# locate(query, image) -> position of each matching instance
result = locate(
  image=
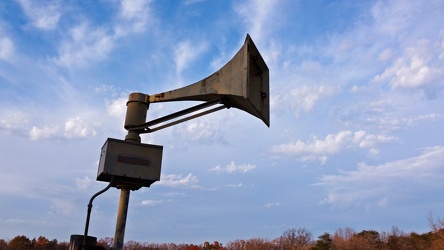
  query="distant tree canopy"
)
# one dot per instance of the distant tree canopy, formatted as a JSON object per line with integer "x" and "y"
{"x": 20, "y": 243}
{"x": 291, "y": 239}
{"x": 24, "y": 243}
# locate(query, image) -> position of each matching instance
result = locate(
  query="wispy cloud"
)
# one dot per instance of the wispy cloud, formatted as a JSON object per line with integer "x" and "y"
{"x": 186, "y": 52}
{"x": 363, "y": 78}
{"x": 7, "y": 48}
{"x": 393, "y": 17}
{"x": 7, "y": 45}
{"x": 63, "y": 205}
{"x": 13, "y": 120}
{"x": 73, "y": 127}
{"x": 83, "y": 183}
{"x": 197, "y": 130}
{"x": 45, "y": 132}
{"x": 76, "y": 127}
{"x": 117, "y": 107}
{"x": 153, "y": 203}
{"x": 258, "y": 16}
{"x": 272, "y": 204}
{"x": 400, "y": 46}
{"x": 381, "y": 184}
{"x": 200, "y": 130}
{"x": 233, "y": 168}
{"x": 321, "y": 149}
{"x": 88, "y": 43}
{"x": 134, "y": 17}
{"x": 177, "y": 180}
{"x": 84, "y": 45}
{"x": 420, "y": 67}
{"x": 43, "y": 15}
{"x": 305, "y": 97}
{"x": 213, "y": 128}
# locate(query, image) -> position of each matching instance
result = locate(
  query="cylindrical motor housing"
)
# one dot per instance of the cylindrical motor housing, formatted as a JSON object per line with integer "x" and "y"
{"x": 136, "y": 109}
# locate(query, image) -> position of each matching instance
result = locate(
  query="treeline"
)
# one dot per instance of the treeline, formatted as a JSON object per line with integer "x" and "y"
{"x": 291, "y": 239}
{"x": 22, "y": 242}
{"x": 301, "y": 239}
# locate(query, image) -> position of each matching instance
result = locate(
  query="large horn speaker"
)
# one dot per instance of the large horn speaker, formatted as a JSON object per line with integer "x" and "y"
{"x": 242, "y": 83}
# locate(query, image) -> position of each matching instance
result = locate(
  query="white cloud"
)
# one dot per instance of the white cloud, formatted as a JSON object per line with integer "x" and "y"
{"x": 43, "y": 15}
{"x": 388, "y": 113}
{"x": 208, "y": 129}
{"x": 85, "y": 45}
{"x": 186, "y": 52}
{"x": 258, "y": 16}
{"x": 234, "y": 185}
{"x": 300, "y": 86}
{"x": 270, "y": 205}
{"x": 7, "y": 48}
{"x": 311, "y": 82}
{"x": 413, "y": 42}
{"x": 108, "y": 90}
{"x": 233, "y": 168}
{"x": 393, "y": 17}
{"x": 73, "y": 127}
{"x": 45, "y": 132}
{"x": 305, "y": 97}
{"x": 134, "y": 16}
{"x": 417, "y": 68}
{"x": 64, "y": 206}
{"x": 76, "y": 127}
{"x": 381, "y": 184}
{"x": 133, "y": 9}
{"x": 174, "y": 180}
{"x": 399, "y": 45}
{"x": 200, "y": 129}
{"x": 321, "y": 149}
{"x": 386, "y": 54}
{"x": 13, "y": 119}
{"x": 83, "y": 183}
{"x": 117, "y": 107}
{"x": 411, "y": 121}
{"x": 152, "y": 203}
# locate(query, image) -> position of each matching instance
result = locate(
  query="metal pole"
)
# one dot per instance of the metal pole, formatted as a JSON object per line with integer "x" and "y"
{"x": 121, "y": 218}
{"x": 136, "y": 111}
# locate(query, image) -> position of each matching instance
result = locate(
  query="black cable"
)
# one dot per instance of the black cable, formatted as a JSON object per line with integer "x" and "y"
{"x": 88, "y": 214}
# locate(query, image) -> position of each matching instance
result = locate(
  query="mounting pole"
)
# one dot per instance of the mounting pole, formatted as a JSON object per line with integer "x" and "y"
{"x": 121, "y": 218}
{"x": 137, "y": 107}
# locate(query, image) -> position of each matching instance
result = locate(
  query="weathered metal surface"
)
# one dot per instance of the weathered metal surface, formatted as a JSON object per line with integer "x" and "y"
{"x": 136, "y": 109}
{"x": 76, "y": 242}
{"x": 131, "y": 164}
{"x": 243, "y": 83}
{"x": 121, "y": 218}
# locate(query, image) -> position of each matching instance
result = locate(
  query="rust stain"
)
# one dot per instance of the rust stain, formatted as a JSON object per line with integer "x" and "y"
{"x": 160, "y": 96}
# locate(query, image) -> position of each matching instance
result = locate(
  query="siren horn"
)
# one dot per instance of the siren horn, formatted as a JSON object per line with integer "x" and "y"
{"x": 242, "y": 83}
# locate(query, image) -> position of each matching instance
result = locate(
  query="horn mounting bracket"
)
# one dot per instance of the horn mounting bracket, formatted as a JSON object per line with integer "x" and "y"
{"x": 172, "y": 119}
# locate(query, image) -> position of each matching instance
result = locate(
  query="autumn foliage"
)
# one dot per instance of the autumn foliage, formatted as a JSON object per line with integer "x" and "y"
{"x": 291, "y": 239}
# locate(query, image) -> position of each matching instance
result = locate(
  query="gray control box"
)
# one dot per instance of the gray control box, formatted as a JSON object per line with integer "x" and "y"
{"x": 129, "y": 164}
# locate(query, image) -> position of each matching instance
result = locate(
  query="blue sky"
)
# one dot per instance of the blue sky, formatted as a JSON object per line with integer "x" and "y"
{"x": 356, "y": 98}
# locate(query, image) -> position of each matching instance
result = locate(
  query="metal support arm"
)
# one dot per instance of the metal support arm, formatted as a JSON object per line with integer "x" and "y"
{"x": 144, "y": 128}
